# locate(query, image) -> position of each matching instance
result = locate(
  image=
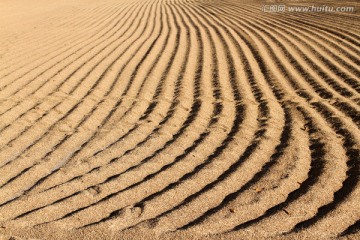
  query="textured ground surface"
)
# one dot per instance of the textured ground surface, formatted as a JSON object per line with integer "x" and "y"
{"x": 178, "y": 118}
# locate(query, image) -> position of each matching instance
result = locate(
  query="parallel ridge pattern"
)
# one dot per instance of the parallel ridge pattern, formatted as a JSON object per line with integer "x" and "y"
{"x": 183, "y": 115}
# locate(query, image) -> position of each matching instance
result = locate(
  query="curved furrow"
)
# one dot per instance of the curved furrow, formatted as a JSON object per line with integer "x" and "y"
{"x": 180, "y": 156}
{"x": 266, "y": 184}
{"x": 313, "y": 28}
{"x": 136, "y": 81}
{"x": 310, "y": 16}
{"x": 51, "y": 113}
{"x": 228, "y": 174}
{"x": 178, "y": 119}
{"x": 214, "y": 155}
{"x": 350, "y": 80}
{"x": 56, "y": 72}
{"x": 131, "y": 98}
{"x": 320, "y": 159}
{"x": 343, "y": 21}
{"x": 336, "y": 31}
{"x": 347, "y": 59}
{"x": 60, "y": 97}
{"x": 38, "y": 104}
{"x": 152, "y": 110}
{"x": 148, "y": 76}
{"x": 101, "y": 23}
{"x": 319, "y": 72}
{"x": 75, "y": 174}
{"x": 171, "y": 112}
{"x": 329, "y": 64}
{"x": 347, "y": 196}
{"x": 271, "y": 215}
{"x": 62, "y": 138}
{"x": 342, "y": 106}
{"x": 349, "y": 110}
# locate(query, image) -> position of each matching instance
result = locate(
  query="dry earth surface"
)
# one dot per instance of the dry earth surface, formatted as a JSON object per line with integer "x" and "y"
{"x": 178, "y": 119}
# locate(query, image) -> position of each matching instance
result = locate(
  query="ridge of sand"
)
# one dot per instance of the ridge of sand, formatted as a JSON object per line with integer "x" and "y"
{"x": 178, "y": 119}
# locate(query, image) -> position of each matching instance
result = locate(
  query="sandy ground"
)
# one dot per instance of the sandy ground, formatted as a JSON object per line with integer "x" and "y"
{"x": 178, "y": 119}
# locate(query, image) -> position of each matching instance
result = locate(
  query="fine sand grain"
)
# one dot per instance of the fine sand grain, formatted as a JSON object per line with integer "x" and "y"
{"x": 178, "y": 119}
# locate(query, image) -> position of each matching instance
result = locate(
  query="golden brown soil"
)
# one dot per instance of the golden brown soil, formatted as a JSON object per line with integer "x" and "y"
{"x": 178, "y": 119}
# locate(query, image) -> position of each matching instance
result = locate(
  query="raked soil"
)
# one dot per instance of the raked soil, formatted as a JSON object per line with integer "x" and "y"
{"x": 178, "y": 119}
